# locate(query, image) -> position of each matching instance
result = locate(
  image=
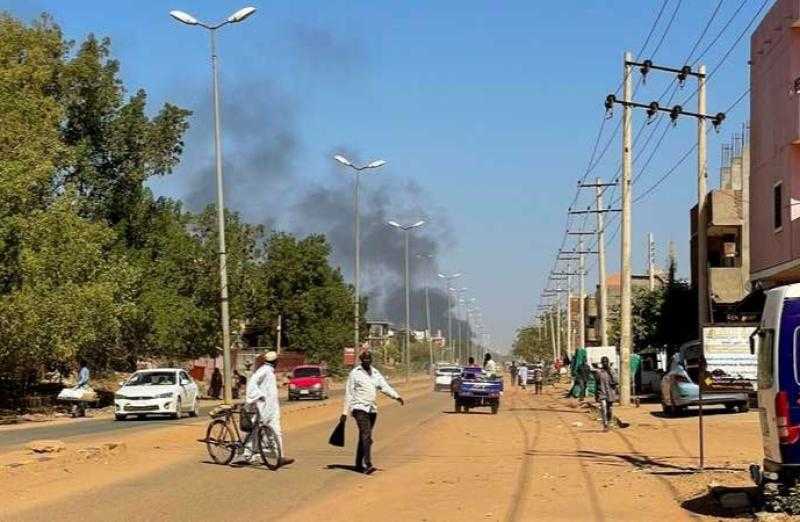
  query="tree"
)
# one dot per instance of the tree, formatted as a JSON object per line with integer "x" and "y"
{"x": 311, "y": 296}
{"x": 76, "y": 292}
{"x": 533, "y": 344}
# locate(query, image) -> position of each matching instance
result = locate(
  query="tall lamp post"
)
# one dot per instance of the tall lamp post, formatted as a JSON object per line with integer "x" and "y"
{"x": 406, "y": 229}
{"x": 429, "y": 257}
{"x": 357, "y": 239}
{"x": 236, "y": 17}
{"x": 447, "y": 278}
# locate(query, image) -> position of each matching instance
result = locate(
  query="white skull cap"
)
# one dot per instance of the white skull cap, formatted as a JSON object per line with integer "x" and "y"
{"x": 271, "y": 356}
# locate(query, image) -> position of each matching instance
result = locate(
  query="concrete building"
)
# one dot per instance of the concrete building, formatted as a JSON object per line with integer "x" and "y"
{"x": 613, "y": 292}
{"x": 774, "y": 141}
{"x": 727, "y": 234}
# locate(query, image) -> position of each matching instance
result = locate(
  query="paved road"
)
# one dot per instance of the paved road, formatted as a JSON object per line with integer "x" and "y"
{"x": 194, "y": 489}
{"x": 9, "y": 439}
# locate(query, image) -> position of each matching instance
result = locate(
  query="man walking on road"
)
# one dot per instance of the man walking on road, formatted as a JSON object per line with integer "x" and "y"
{"x": 262, "y": 395}
{"x": 522, "y": 372}
{"x": 360, "y": 394}
{"x": 538, "y": 379}
{"x": 606, "y": 390}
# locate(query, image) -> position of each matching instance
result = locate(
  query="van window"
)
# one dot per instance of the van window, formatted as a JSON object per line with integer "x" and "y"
{"x": 766, "y": 349}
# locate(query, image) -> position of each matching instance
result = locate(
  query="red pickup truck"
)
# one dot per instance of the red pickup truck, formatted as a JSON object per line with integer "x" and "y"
{"x": 308, "y": 381}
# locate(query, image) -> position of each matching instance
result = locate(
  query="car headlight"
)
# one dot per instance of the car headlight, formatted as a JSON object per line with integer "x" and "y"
{"x": 317, "y": 386}
{"x": 167, "y": 395}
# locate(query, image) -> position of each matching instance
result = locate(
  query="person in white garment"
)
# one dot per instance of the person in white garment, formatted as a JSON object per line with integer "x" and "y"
{"x": 522, "y": 373}
{"x": 489, "y": 366}
{"x": 360, "y": 394}
{"x": 262, "y": 396}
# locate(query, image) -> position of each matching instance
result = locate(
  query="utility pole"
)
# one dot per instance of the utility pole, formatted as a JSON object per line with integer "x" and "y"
{"x": 553, "y": 334}
{"x": 702, "y": 175}
{"x": 651, "y": 252}
{"x": 278, "y": 339}
{"x": 581, "y": 297}
{"x": 600, "y": 211}
{"x": 674, "y": 113}
{"x": 569, "y": 310}
{"x": 625, "y": 254}
{"x": 601, "y": 262}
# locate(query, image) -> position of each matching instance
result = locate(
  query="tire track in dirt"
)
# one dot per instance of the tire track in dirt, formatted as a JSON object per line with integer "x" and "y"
{"x": 516, "y": 508}
{"x": 591, "y": 488}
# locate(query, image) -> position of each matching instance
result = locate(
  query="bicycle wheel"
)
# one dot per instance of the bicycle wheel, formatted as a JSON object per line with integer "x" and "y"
{"x": 269, "y": 446}
{"x": 220, "y": 442}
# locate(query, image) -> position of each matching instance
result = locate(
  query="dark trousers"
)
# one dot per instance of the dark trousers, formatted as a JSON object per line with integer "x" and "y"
{"x": 538, "y": 387}
{"x": 365, "y": 422}
{"x": 605, "y": 411}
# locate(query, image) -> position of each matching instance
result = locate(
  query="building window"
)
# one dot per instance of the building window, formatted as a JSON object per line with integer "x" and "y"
{"x": 777, "y": 209}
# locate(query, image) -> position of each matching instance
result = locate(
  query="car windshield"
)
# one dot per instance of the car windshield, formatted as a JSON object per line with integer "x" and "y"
{"x": 151, "y": 379}
{"x": 306, "y": 372}
{"x": 449, "y": 370}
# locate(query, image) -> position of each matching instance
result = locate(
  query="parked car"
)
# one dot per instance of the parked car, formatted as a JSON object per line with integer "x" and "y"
{"x": 444, "y": 377}
{"x": 160, "y": 391}
{"x": 678, "y": 391}
{"x": 308, "y": 382}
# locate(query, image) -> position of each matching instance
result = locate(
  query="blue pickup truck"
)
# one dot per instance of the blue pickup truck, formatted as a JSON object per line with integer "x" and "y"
{"x": 472, "y": 389}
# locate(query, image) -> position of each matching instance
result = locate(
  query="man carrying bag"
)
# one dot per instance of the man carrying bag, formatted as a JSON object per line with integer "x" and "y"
{"x": 360, "y": 396}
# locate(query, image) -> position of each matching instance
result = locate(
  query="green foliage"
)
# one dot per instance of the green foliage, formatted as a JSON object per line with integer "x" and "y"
{"x": 91, "y": 264}
{"x": 533, "y": 343}
{"x": 664, "y": 317}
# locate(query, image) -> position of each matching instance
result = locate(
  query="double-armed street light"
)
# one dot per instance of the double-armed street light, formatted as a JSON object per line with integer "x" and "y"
{"x": 429, "y": 257}
{"x": 406, "y": 229}
{"x": 447, "y": 278}
{"x": 236, "y": 17}
{"x": 358, "y": 169}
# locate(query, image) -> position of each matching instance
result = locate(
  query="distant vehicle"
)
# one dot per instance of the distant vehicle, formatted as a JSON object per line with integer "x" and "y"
{"x": 444, "y": 377}
{"x": 161, "y": 391}
{"x": 679, "y": 391}
{"x": 308, "y": 382}
{"x": 472, "y": 389}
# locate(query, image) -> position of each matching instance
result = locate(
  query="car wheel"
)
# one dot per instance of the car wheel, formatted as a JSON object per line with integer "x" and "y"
{"x": 744, "y": 407}
{"x": 195, "y": 410}
{"x": 120, "y": 416}
{"x": 458, "y": 406}
{"x": 178, "y": 406}
{"x": 667, "y": 409}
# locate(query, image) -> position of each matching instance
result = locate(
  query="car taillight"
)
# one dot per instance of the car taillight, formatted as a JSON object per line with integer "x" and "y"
{"x": 787, "y": 434}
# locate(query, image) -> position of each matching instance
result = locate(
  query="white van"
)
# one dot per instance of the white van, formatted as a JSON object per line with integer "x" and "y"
{"x": 778, "y": 342}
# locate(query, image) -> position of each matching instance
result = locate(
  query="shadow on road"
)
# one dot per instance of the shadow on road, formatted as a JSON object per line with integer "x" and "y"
{"x": 710, "y": 505}
{"x": 344, "y": 467}
{"x": 467, "y": 413}
{"x": 692, "y": 413}
{"x": 643, "y": 462}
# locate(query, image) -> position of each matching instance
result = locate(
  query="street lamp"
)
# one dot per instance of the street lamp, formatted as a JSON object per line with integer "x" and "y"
{"x": 406, "y": 229}
{"x": 357, "y": 233}
{"x": 429, "y": 257}
{"x": 236, "y": 17}
{"x": 447, "y": 278}
{"x": 459, "y": 292}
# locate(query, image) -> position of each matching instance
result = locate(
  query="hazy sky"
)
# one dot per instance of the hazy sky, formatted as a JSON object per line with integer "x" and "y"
{"x": 487, "y": 113}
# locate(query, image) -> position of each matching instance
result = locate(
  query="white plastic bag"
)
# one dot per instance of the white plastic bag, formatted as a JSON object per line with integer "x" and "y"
{"x": 77, "y": 394}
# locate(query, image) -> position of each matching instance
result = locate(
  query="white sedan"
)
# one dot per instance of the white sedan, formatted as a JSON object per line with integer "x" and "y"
{"x": 444, "y": 377}
{"x": 161, "y": 391}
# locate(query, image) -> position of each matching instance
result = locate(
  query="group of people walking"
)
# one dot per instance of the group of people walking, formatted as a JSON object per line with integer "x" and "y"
{"x": 523, "y": 374}
{"x": 360, "y": 401}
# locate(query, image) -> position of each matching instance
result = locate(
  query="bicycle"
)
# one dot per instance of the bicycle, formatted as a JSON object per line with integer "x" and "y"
{"x": 224, "y": 437}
